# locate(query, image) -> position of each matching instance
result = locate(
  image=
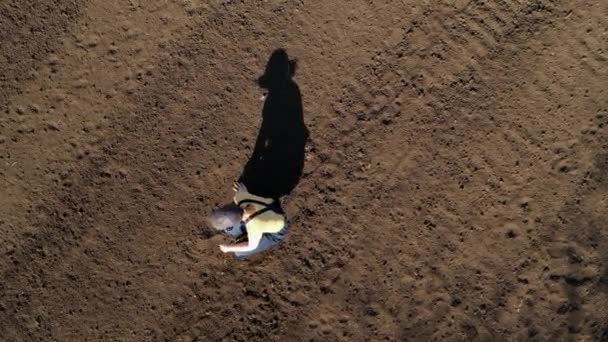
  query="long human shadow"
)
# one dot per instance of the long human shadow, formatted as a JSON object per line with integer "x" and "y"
{"x": 276, "y": 163}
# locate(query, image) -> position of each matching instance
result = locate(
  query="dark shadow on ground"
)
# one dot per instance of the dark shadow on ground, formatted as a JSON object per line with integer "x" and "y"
{"x": 275, "y": 166}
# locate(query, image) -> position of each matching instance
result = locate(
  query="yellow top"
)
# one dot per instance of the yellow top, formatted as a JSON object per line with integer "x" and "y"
{"x": 267, "y": 222}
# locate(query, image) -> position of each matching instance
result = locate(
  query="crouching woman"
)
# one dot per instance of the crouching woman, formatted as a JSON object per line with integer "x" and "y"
{"x": 262, "y": 224}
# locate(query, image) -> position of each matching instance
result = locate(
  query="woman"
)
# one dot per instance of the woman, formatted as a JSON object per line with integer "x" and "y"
{"x": 262, "y": 222}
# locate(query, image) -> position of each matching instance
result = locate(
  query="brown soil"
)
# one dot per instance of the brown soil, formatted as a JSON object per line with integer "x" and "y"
{"x": 455, "y": 184}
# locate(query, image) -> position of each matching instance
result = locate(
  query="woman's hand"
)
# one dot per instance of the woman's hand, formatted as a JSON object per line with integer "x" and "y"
{"x": 224, "y": 248}
{"x": 239, "y": 187}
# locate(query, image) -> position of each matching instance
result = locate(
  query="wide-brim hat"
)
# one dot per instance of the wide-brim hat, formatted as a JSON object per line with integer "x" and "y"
{"x": 225, "y": 216}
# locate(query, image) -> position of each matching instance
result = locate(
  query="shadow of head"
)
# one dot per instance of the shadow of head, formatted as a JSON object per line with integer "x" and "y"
{"x": 279, "y": 71}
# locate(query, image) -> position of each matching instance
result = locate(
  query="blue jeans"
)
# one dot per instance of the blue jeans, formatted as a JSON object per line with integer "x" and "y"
{"x": 268, "y": 239}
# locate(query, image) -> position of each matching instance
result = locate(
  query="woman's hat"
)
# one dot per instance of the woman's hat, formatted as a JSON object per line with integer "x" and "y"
{"x": 225, "y": 216}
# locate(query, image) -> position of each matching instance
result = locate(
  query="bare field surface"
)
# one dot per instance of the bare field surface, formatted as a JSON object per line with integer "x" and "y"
{"x": 455, "y": 185}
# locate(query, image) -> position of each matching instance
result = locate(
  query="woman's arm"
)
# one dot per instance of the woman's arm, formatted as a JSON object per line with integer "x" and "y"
{"x": 253, "y": 243}
{"x": 241, "y": 193}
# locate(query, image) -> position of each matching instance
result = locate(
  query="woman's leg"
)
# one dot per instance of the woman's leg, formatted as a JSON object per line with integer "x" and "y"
{"x": 268, "y": 240}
